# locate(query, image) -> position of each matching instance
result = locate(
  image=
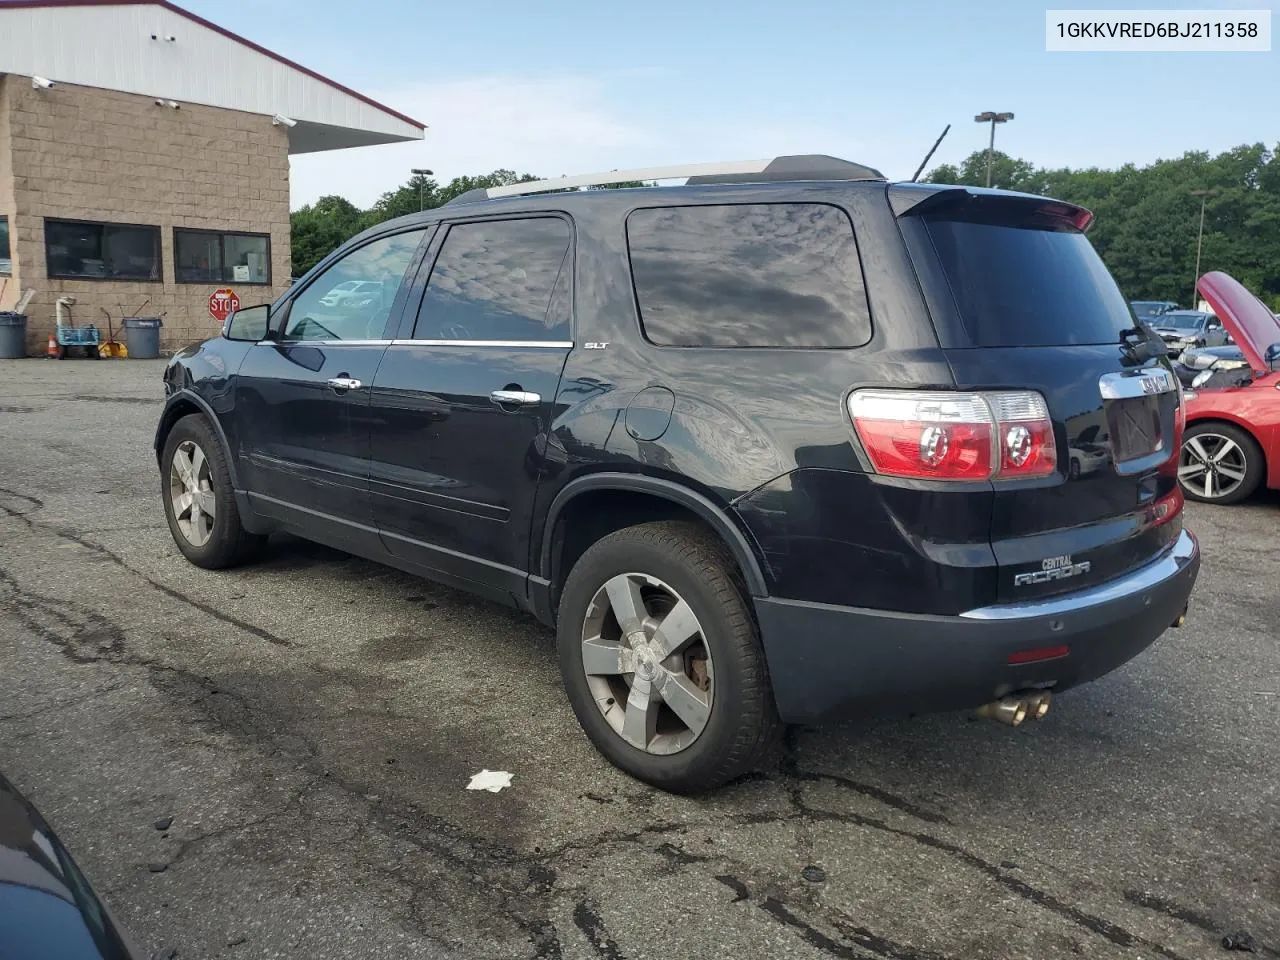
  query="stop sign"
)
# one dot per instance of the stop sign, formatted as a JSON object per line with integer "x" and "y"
{"x": 222, "y": 303}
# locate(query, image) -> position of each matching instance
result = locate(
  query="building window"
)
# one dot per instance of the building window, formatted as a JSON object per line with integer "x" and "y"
{"x": 6, "y": 262}
{"x": 75, "y": 250}
{"x": 206, "y": 256}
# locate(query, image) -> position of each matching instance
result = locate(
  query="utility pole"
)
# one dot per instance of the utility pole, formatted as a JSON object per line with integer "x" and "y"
{"x": 992, "y": 118}
{"x": 422, "y": 174}
{"x": 1204, "y": 195}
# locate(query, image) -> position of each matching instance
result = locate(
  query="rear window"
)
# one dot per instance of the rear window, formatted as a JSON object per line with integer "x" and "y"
{"x": 748, "y": 275}
{"x": 1027, "y": 287}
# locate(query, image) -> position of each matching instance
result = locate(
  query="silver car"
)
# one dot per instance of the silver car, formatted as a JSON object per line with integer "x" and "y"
{"x": 1181, "y": 329}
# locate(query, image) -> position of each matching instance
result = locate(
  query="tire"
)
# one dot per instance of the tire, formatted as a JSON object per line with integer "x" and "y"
{"x": 1240, "y": 466}
{"x": 1073, "y": 469}
{"x": 222, "y": 542}
{"x": 668, "y": 562}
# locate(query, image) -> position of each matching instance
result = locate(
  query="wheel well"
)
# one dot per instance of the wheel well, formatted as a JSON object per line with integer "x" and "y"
{"x": 172, "y": 414}
{"x": 594, "y": 514}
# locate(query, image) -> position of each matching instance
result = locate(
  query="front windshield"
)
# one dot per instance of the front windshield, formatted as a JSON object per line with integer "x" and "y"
{"x": 1145, "y": 310}
{"x": 1183, "y": 321}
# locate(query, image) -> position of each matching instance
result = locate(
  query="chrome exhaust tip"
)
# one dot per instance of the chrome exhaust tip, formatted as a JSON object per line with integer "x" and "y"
{"x": 1038, "y": 705}
{"x": 1008, "y": 710}
{"x": 1180, "y": 619}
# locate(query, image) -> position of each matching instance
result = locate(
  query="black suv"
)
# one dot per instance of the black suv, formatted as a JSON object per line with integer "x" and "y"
{"x": 786, "y": 441}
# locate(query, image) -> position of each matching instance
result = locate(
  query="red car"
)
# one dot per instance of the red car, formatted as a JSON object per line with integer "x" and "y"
{"x": 1231, "y": 445}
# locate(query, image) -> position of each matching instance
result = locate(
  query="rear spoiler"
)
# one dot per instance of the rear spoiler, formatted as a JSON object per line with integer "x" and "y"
{"x": 987, "y": 206}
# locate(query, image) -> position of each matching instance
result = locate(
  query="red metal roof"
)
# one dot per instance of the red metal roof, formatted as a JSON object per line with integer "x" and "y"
{"x": 10, "y": 4}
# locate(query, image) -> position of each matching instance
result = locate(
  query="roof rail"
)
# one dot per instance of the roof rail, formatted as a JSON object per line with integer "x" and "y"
{"x": 798, "y": 167}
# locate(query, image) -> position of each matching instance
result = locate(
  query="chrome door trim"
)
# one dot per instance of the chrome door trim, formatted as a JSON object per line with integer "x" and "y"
{"x": 551, "y": 344}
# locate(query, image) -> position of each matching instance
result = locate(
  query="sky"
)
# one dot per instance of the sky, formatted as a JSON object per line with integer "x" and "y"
{"x": 561, "y": 87}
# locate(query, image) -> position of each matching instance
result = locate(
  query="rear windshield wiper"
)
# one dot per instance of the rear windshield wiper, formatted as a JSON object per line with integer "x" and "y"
{"x": 1139, "y": 345}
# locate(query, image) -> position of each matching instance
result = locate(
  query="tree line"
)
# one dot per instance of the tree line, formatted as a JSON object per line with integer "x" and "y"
{"x": 319, "y": 228}
{"x": 1147, "y": 218}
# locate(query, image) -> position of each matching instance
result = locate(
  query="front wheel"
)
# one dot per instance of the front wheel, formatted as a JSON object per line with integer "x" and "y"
{"x": 1219, "y": 463}
{"x": 661, "y": 658}
{"x": 199, "y": 502}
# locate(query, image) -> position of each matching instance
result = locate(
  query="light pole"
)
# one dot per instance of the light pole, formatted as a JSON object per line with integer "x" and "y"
{"x": 422, "y": 174}
{"x": 993, "y": 119}
{"x": 1204, "y": 195}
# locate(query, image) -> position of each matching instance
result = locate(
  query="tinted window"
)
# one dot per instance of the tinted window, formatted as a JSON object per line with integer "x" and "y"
{"x": 759, "y": 275}
{"x": 1021, "y": 286}
{"x": 494, "y": 281}
{"x": 203, "y": 256}
{"x": 101, "y": 251}
{"x": 6, "y": 264}
{"x": 333, "y": 307}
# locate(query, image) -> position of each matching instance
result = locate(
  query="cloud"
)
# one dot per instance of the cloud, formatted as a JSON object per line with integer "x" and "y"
{"x": 543, "y": 125}
{"x": 569, "y": 124}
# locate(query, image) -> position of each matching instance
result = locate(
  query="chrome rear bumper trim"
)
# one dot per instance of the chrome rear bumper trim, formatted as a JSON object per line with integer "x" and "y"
{"x": 1168, "y": 565}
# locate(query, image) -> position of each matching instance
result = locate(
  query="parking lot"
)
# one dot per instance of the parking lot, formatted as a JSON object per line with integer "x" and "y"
{"x": 310, "y": 723}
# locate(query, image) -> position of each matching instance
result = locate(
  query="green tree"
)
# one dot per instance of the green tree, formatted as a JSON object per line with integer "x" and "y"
{"x": 321, "y": 227}
{"x": 1006, "y": 172}
{"x": 318, "y": 228}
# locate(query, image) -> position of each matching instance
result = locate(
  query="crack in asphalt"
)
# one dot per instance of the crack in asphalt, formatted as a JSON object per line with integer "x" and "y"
{"x": 586, "y": 917}
{"x": 504, "y": 876}
{"x": 108, "y": 554}
{"x": 1175, "y": 911}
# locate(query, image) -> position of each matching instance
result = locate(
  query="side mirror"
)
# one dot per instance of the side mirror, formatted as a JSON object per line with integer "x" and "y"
{"x": 249, "y": 324}
{"x": 1272, "y": 357}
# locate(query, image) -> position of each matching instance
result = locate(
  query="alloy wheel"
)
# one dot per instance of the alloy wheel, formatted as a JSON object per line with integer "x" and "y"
{"x": 1212, "y": 465}
{"x": 647, "y": 663}
{"x": 191, "y": 493}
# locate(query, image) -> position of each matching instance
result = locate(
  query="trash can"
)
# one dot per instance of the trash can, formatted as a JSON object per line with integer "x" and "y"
{"x": 13, "y": 335}
{"x": 142, "y": 337}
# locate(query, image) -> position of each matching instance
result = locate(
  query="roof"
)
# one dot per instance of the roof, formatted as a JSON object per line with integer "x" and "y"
{"x": 158, "y": 49}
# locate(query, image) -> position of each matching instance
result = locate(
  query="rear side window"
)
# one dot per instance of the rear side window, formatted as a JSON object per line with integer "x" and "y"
{"x": 748, "y": 275}
{"x": 1020, "y": 286}
{"x": 495, "y": 280}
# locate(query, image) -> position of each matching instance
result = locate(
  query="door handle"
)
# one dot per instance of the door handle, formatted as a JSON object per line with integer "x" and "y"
{"x": 521, "y": 397}
{"x": 344, "y": 383}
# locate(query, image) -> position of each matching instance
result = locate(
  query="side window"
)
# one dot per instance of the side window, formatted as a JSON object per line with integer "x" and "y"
{"x": 352, "y": 299}
{"x": 495, "y": 280}
{"x": 748, "y": 275}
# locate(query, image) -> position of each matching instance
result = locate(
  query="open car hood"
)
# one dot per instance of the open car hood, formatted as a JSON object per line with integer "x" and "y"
{"x": 1253, "y": 327}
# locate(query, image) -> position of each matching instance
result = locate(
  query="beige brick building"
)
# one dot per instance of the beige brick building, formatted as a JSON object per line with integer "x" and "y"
{"x": 147, "y": 184}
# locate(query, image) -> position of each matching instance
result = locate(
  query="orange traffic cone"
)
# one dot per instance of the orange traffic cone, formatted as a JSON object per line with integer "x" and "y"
{"x": 52, "y": 352}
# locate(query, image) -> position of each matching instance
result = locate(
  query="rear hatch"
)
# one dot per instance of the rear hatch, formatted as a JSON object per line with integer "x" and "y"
{"x": 1022, "y": 302}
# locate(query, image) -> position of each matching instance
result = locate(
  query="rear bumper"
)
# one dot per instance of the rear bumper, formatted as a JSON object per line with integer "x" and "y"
{"x": 826, "y": 659}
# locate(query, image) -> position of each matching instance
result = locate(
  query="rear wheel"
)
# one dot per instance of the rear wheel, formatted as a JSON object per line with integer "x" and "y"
{"x": 661, "y": 658}
{"x": 198, "y": 499}
{"x": 1219, "y": 463}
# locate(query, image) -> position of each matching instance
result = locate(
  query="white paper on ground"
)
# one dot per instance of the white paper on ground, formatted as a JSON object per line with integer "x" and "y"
{"x": 491, "y": 780}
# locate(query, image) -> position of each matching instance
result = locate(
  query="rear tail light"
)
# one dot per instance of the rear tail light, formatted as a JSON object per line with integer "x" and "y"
{"x": 1167, "y": 508}
{"x": 955, "y": 436}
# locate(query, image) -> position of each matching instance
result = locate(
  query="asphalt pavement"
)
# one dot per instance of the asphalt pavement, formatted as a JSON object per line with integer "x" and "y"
{"x": 310, "y": 723}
